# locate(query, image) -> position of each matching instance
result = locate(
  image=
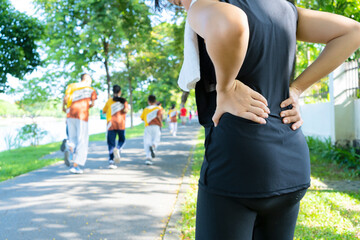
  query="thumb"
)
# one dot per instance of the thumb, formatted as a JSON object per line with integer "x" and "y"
{"x": 217, "y": 116}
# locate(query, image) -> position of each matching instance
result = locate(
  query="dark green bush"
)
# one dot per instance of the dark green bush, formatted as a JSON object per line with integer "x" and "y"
{"x": 346, "y": 156}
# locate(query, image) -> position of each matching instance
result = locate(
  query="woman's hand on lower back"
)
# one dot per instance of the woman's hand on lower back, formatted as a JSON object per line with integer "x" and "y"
{"x": 241, "y": 101}
{"x": 292, "y": 115}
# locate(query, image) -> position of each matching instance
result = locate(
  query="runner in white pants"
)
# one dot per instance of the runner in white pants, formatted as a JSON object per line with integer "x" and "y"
{"x": 152, "y": 116}
{"x": 152, "y": 136}
{"x": 173, "y": 120}
{"x": 79, "y": 98}
{"x": 78, "y": 139}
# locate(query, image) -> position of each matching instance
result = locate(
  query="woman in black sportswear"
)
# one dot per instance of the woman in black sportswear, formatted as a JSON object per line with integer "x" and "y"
{"x": 256, "y": 166}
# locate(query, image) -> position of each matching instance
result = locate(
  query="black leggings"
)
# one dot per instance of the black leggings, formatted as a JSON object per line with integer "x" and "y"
{"x": 230, "y": 218}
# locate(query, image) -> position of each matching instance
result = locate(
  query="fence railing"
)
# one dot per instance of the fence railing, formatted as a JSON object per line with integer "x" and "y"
{"x": 352, "y": 76}
{"x": 350, "y": 84}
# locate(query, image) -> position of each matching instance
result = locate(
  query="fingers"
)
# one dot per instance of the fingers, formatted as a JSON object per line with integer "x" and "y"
{"x": 251, "y": 116}
{"x": 217, "y": 116}
{"x": 297, "y": 124}
{"x": 261, "y": 105}
{"x": 259, "y": 97}
{"x": 258, "y": 112}
{"x": 289, "y": 113}
{"x": 287, "y": 102}
{"x": 292, "y": 116}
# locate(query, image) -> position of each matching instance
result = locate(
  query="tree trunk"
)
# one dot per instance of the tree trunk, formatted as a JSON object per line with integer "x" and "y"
{"x": 106, "y": 63}
{"x": 184, "y": 97}
{"x": 130, "y": 90}
{"x": 108, "y": 79}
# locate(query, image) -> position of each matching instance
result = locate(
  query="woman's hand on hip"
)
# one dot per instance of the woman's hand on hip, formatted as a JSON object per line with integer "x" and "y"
{"x": 292, "y": 115}
{"x": 240, "y": 100}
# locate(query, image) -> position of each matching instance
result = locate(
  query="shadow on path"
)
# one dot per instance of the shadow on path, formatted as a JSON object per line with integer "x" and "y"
{"x": 131, "y": 202}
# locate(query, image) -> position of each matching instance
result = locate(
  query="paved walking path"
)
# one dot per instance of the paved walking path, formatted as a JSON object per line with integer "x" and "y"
{"x": 132, "y": 202}
{"x": 342, "y": 185}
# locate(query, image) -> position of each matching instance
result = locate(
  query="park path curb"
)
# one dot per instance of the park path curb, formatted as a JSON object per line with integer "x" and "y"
{"x": 172, "y": 232}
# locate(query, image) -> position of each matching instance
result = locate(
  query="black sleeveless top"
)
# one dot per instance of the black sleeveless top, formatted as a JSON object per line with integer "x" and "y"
{"x": 243, "y": 158}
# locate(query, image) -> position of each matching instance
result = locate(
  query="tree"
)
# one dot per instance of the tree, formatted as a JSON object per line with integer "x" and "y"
{"x": 308, "y": 52}
{"x": 153, "y": 67}
{"x": 18, "y": 49}
{"x": 88, "y": 31}
{"x": 347, "y": 8}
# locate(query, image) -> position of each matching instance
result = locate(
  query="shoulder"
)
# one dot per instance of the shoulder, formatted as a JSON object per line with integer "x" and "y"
{"x": 213, "y": 16}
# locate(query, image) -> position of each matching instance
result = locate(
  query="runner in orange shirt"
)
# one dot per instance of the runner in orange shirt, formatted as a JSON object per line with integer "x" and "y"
{"x": 79, "y": 98}
{"x": 115, "y": 109}
{"x": 152, "y": 116}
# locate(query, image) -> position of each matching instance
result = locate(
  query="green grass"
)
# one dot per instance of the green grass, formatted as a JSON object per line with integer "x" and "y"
{"x": 187, "y": 223}
{"x": 324, "y": 214}
{"x": 329, "y": 215}
{"x": 23, "y": 160}
{"x": 19, "y": 161}
{"x": 321, "y": 169}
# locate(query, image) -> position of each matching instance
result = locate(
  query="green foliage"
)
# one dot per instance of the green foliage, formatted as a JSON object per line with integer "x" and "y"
{"x": 319, "y": 92}
{"x": 308, "y": 52}
{"x": 156, "y": 70}
{"x": 347, "y": 157}
{"x": 347, "y": 8}
{"x": 8, "y": 109}
{"x": 11, "y": 141}
{"x": 87, "y": 31}
{"x": 18, "y": 36}
{"x": 32, "y": 133}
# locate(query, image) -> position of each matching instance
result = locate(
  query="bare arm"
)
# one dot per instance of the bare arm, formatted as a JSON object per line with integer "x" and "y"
{"x": 341, "y": 36}
{"x": 225, "y": 30}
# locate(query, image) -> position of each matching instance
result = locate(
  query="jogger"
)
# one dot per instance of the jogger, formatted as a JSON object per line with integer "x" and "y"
{"x": 115, "y": 109}
{"x": 79, "y": 98}
{"x": 173, "y": 120}
{"x": 152, "y": 116}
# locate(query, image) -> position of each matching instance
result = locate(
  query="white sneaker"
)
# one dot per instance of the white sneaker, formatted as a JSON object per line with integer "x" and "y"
{"x": 116, "y": 155}
{"x": 112, "y": 166}
{"x": 76, "y": 170}
{"x": 148, "y": 162}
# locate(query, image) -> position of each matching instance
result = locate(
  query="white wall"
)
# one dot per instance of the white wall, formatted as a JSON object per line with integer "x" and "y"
{"x": 318, "y": 120}
{"x": 345, "y": 121}
{"x": 357, "y": 118}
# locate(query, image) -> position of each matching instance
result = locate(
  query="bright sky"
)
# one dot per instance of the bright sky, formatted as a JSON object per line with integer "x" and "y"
{"x": 24, "y": 6}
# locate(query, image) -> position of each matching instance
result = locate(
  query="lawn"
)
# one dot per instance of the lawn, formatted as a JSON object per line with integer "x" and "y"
{"x": 23, "y": 160}
{"x": 324, "y": 214}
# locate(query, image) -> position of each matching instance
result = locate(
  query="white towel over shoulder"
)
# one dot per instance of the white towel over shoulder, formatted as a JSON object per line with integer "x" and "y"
{"x": 190, "y": 70}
